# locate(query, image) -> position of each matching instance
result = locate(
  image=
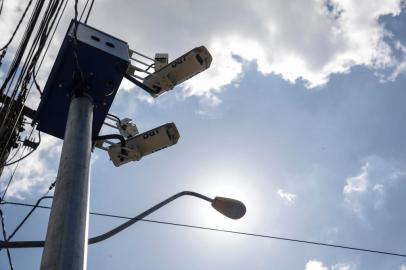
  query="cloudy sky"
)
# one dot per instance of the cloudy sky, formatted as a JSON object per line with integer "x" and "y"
{"x": 301, "y": 116}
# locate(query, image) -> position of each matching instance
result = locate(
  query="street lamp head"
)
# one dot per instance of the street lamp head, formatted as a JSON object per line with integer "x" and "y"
{"x": 229, "y": 207}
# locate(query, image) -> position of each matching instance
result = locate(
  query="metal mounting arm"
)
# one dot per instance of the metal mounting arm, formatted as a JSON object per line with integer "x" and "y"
{"x": 168, "y": 75}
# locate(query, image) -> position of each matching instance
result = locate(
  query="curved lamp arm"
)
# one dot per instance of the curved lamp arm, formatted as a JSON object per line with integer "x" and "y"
{"x": 231, "y": 208}
{"x": 130, "y": 222}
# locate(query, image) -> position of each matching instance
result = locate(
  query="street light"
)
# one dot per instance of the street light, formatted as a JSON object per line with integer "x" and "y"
{"x": 230, "y": 208}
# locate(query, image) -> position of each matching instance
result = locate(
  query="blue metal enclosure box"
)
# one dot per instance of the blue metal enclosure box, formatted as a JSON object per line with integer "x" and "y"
{"x": 102, "y": 60}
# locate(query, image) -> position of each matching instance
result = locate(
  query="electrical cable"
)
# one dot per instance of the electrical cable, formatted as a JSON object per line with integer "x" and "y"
{"x": 28, "y": 70}
{"x": 32, "y": 57}
{"x": 150, "y": 66}
{"x": 30, "y": 212}
{"x": 18, "y": 162}
{"x": 52, "y": 37}
{"x": 35, "y": 73}
{"x": 111, "y": 136}
{"x": 21, "y": 158}
{"x": 3, "y": 227}
{"x": 51, "y": 186}
{"x": 10, "y": 179}
{"x": 36, "y": 84}
{"x": 78, "y": 78}
{"x": 15, "y": 153}
{"x": 1, "y": 6}
{"x": 43, "y": 33}
{"x": 47, "y": 23}
{"x": 40, "y": 32}
{"x": 115, "y": 117}
{"x": 45, "y": 29}
{"x": 229, "y": 231}
{"x": 12, "y": 72}
{"x": 28, "y": 154}
{"x": 27, "y": 216}
{"x": 83, "y": 11}
{"x": 18, "y": 24}
{"x": 90, "y": 10}
{"x": 24, "y": 43}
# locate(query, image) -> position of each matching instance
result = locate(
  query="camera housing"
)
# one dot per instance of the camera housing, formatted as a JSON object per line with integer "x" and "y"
{"x": 144, "y": 144}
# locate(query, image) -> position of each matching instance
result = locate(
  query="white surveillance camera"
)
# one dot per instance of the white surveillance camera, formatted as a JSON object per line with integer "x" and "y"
{"x": 127, "y": 128}
{"x": 144, "y": 144}
{"x": 168, "y": 76}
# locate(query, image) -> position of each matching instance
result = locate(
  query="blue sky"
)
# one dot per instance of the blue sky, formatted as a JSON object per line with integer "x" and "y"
{"x": 302, "y": 119}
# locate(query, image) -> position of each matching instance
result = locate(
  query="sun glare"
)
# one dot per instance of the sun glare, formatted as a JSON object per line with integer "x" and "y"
{"x": 231, "y": 184}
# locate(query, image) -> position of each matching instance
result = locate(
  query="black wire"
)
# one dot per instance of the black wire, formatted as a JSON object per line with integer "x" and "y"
{"x": 15, "y": 153}
{"x": 115, "y": 117}
{"x": 42, "y": 36}
{"x": 78, "y": 79}
{"x": 21, "y": 158}
{"x": 150, "y": 66}
{"x": 18, "y": 25}
{"x": 13, "y": 70}
{"x": 111, "y": 136}
{"x": 10, "y": 179}
{"x": 27, "y": 216}
{"x": 18, "y": 161}
{"x": 1, "y": 6}
{"x": 30, "y": 212}
{"x": 28, "y": 69}
{"x": 83, "y": 11}
{"x": 32, "y": 151}
{"x": 35, "y": 73}
{"x": 36, "y": 84}
{"x": 3, "y": 227}
{"x": 51, "y": 186}
{"x": 52, "y": 37}
{"x": 48, "y": 23}
{"x": 90, "y": 10}
{"x": 229, "y": 231}
{"x": 20, "y": 52}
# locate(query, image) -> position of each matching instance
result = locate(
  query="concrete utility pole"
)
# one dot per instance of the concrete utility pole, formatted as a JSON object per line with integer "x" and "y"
{"x": 66, "y": 240}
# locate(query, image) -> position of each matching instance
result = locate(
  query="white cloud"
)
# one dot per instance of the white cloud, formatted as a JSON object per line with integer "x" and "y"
{"x": 402, "y": 267}
{"x": 400, "y": 67}
{"x": 318, "y": 265}
{"x": 357, "y": 183}
{"x": 35, "y": 173}
{"x": 289, "y": 198}
{"x": 320, "y": 41}
{"x": 325, "y": 37}
{"x": 9, "y": 17}
{"x": 315, "y": 265}
{"x": 369, "y": 188}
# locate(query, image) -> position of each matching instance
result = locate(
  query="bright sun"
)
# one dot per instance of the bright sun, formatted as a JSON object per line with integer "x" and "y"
{"x": 232, "y": 184}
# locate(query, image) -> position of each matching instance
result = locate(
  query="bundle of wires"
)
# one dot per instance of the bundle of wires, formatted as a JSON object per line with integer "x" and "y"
{"x": 23, "y": 69}
{"x": 20, "y": 78}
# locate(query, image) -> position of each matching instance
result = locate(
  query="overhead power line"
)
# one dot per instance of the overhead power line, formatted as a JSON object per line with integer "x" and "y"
{"x": 4, "y": 233}
{"x": 374, "y": 251}
{"x": 90, "y": 10}
{"x": 1, "y": 6}
{"x": 18, "y": 24}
